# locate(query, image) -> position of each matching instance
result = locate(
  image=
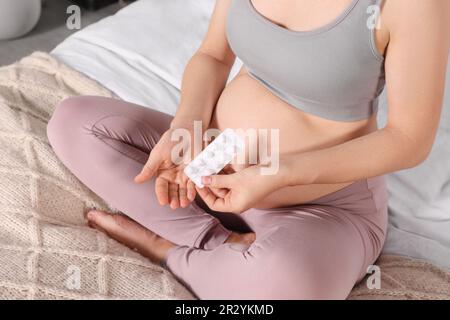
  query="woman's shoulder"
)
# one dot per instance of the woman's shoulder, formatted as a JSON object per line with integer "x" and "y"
{"x": 411, "y": 15}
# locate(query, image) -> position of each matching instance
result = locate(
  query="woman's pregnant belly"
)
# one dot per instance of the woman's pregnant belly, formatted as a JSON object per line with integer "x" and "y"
{"x": 247, "y": 104}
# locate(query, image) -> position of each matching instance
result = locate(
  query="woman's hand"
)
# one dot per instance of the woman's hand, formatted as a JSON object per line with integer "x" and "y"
{"x": 172, "y": 186}
{"x": 239, "y": 191}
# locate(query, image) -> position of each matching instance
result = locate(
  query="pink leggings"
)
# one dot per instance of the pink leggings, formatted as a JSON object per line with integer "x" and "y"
{"x": 317, "y": 250}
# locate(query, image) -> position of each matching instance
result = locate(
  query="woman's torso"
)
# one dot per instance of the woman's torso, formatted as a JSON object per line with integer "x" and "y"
{"x": 246, "y": 103}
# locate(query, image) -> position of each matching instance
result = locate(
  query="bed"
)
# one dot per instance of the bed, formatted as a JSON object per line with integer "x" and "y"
{"x": 139, "y": 54}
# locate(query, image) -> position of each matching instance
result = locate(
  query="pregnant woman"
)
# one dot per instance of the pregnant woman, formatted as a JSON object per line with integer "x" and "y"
{"x": 313, "y": 69}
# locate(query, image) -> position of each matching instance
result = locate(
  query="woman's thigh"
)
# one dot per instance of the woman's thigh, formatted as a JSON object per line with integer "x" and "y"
{"x": 90, "y": 111}
{"x": 301, "y": 254}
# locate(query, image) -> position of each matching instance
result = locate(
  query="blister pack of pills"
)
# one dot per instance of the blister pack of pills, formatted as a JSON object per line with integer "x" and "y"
{"x": 215, "y": 156}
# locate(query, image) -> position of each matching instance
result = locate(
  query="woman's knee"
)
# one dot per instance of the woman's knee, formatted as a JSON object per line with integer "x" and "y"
{"x": 68, "y": 117}
{"x": 64, "y": 115}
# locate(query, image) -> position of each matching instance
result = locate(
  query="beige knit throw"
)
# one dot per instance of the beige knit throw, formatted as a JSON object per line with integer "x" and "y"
{"x": 46, "y": 249}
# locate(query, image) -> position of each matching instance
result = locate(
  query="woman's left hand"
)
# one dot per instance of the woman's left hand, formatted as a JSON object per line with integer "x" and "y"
{"x": 238, "y": 191}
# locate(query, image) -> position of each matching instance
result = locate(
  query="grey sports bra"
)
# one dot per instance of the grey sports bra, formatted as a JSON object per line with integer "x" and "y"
{"x": 334, "y": 72}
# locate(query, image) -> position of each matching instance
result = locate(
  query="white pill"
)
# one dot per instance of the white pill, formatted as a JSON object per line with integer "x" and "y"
{"x": 209, "y": 154}
{"x": 208, "y": 171}
{"x": 189, "y": 170}
{"x": 215, "y": 157}
{"x": 230, "y": 149}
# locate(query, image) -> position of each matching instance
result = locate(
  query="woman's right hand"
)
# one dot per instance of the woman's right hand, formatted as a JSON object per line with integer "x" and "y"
{"x": 172, "y": 186}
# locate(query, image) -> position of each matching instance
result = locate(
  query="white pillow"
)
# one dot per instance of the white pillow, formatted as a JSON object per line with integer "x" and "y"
{"x": 420, "y": 199}
{"x": 141, "y": 52}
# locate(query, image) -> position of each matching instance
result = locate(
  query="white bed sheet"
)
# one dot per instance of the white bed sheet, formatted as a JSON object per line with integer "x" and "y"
{"x": 140, "y": 54}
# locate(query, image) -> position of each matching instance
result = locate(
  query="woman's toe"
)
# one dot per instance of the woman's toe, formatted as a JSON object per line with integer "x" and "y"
{"x": 130, "y": 233}
{"x": 119, "y": 227}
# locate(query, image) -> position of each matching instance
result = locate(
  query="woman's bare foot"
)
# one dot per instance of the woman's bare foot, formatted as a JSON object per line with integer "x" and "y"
{"x": 131, "y": 234}
{"x": 146, "y": 242}
{"x": 243, "y": 238}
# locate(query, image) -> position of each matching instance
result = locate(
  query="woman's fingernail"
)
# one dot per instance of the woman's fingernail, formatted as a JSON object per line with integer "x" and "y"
{"x": 206, "y": 180}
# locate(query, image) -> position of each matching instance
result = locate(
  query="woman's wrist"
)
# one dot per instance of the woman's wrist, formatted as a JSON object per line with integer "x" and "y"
{"x": 275, "y": 178}
{"x": 178, "y": 123}
{"x": 295, "y": 170}
{"x": 188, "y": 123}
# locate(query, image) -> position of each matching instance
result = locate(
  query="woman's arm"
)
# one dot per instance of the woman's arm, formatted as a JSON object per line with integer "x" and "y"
{"x": 416, "y": 64}
{"x": 203, "y": 81}
{"x": 206, "y": 73}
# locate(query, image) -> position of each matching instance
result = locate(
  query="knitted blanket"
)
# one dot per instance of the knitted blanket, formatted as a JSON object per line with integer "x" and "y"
{"x": 46, "y": 249}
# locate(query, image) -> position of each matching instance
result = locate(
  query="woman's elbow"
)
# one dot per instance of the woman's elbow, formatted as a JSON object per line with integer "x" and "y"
{"x": 419, "y": 154}
{"x": 415, "y": 151}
